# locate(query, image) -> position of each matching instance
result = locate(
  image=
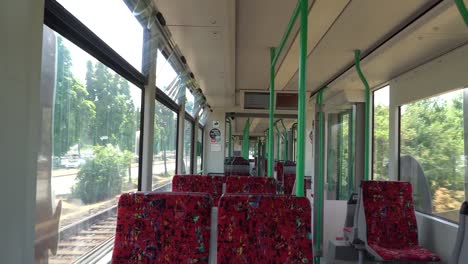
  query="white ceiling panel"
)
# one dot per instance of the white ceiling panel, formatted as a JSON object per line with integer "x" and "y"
{"x": 360, "y": 26}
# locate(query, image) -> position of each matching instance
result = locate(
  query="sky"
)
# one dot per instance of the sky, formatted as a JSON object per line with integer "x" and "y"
{"x": 115, "y": 24}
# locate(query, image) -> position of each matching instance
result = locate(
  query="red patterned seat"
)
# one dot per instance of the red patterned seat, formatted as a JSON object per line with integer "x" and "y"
{"x": 242, "y": 184}
{"x": 289, "y": 180}
{"x": 264, "y": 229}
{"x": 162, "y": 228}
{"x": 390, "y": 220}
{"x": 199, "y": 183}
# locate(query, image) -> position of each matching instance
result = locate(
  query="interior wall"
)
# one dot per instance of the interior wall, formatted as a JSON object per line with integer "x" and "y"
{"x": 441, "y": 75}
{"x": 20, "y": 64}
{"x": 214, "y": 160}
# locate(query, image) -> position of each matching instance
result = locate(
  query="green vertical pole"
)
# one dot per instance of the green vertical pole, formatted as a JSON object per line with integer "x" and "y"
{"x": 357, "y": 62}
{"x": 285, "y": 140}
{"x": 271, "y": 117}
{"x": 246, "y": 140}
{"x": 340, "y": 156}
{"x": 318, "y": 198}
{"x": 278, "y": 136}
{"x": 302, "y": 99}
{"x": 229, "y": 138}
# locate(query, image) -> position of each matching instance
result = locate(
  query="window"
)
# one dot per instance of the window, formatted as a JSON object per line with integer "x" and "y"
{"x": 190, "y": 102}
{"x": 165, "y": 145}
{"x": 381, "y": 133}
{"x": 188, "y": 136}
{"x": 200, "y": 150}
{"x": 433, "y": 151}
{"x": 168, "y": 80}
{"x": 91, "y": 138}
{"x": 114, "y": 23}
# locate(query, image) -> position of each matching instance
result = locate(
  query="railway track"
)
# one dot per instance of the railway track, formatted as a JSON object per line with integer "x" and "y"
{"x": 80, "y": 238}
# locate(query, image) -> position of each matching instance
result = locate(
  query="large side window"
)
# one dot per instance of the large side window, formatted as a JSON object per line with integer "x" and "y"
{"x": 165, "y": 145}
{"x": 94, "y": 124}
{"x": 381, "y": 133}
{"x": 432, "y": 153}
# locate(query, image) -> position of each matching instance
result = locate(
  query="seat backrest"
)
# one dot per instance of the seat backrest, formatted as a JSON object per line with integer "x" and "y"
{"x": 460, "y": 251}
{"x": 390, "y": 219}
{"x": 162, "y": 228}
{"x": 199, "y": 183}
{"x": 249, "y": 185}
{"x": 289, "y": 179}
{"x": 264, "y": 229}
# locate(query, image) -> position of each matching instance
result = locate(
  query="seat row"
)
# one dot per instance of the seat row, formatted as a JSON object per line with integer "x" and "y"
{"x": 381, "y": 221}
{"x": 217, "y": 185}
{"x": 176, "y": 228}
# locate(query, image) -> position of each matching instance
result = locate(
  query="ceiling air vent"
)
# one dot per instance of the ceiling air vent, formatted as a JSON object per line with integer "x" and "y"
{"x": 256, "y": 100}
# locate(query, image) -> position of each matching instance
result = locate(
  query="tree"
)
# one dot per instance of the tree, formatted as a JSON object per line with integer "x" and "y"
{"x": 73, "y": 112}
{"x": 101, "y": 177}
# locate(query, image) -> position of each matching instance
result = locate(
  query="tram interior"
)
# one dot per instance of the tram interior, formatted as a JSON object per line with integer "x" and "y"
{"x": 234, "y": 131}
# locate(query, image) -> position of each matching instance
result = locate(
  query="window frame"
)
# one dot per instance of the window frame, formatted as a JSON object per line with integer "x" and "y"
{"x": 191, "y": 120}
{"x": 202, "y": 130}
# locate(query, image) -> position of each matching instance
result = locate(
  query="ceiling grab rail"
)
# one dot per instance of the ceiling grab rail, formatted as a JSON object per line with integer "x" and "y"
{"x": 357, "y": 63}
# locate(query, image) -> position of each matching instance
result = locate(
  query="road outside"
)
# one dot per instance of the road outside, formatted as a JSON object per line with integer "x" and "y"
{"x": 64, "y": 179}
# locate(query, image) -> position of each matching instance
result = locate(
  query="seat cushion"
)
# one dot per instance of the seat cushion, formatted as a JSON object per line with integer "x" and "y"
{"x": 264, "y": 229}
{"x": 414, "y": 253}
{"x": 163, "y": 228}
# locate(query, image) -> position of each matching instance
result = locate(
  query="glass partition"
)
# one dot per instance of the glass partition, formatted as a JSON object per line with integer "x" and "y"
{"x": 340, "y": 154}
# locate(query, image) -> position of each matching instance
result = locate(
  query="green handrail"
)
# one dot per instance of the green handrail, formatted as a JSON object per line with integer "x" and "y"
{"x": 228, "y": 121}
{"x": 319, "y": 195}
{"x": 285, "y": 140}
{"x": 286, "y": 34}
{"x": 271, "y": 114}
{"x": 278, "y": 141}
{"x": 246, "y": 140}
{"x": 357, "y": 63}
{"x": 463, "y": 11}
{"x": 302, "y": 99}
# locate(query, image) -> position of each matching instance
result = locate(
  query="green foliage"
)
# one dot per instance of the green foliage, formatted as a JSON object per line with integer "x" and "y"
{"x": 97, "y": 113}
{"x": 432, "y": 132}
{"x": 101, "y": 177}
{"x": 381, "y": 142}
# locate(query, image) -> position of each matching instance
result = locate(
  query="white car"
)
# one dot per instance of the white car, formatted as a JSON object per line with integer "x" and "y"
{"x": 70, "y": 163}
